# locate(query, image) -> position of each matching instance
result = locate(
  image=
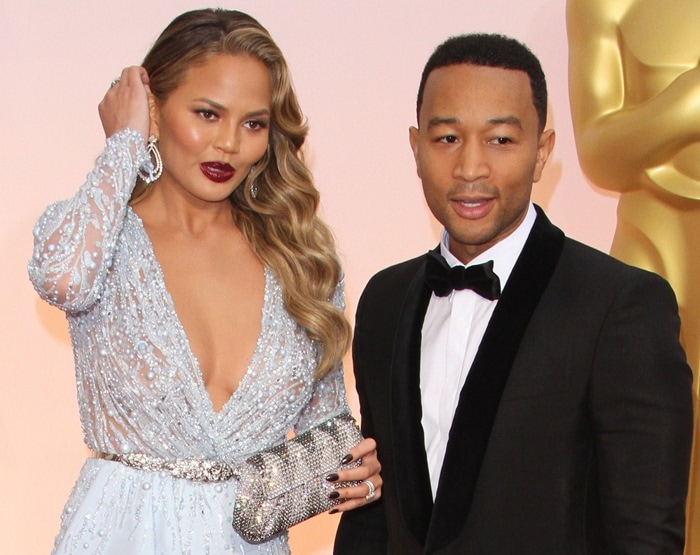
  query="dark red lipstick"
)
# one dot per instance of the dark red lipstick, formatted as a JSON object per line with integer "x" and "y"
{"x": 219, "y": 172}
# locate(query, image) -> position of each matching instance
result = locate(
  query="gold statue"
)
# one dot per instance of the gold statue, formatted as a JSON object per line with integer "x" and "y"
{"x": 634, "y": 80}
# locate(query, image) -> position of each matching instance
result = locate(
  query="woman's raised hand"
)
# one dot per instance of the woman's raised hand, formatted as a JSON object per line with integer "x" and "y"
{"x": 126, "y": 103}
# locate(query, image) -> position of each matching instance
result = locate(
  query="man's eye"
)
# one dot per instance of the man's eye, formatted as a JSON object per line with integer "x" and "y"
{"x": 449, "y": 139}
{"x": 501, "y": 141}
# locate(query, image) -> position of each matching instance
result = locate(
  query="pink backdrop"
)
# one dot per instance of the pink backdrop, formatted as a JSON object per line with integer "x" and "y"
{"x": 356, "y": 67}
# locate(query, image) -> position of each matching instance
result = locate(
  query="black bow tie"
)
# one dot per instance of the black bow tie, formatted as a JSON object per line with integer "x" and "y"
{"x": 443, "y": 279}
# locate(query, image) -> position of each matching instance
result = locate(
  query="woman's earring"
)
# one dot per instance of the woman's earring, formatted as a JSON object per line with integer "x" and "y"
{"x": 152, "y": 169}
{"x": 252, "y": 186}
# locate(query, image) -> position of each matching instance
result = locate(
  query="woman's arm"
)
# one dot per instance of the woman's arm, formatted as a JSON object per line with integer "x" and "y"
{"x": 328, "y": 400}
{"x": 74, "y": 239}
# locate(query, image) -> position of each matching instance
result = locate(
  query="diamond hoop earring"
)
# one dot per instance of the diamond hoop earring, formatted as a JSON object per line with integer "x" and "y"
{"x": 149, "y": 172}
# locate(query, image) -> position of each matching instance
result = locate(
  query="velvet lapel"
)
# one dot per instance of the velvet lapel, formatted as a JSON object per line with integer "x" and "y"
{"x": 411, "y": 466}
{"x": 481, "y": 394}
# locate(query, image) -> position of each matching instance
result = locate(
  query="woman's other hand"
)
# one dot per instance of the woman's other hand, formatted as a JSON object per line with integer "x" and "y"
{"x": 370, "y": 488}
{"x": 126, "y": 103}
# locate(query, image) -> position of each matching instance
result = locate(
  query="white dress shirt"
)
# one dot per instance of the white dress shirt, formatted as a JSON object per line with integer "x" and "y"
{"x": 452, "y": 331}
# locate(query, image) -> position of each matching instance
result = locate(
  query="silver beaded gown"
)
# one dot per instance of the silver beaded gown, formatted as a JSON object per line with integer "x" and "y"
{"x": 140, "y": 388}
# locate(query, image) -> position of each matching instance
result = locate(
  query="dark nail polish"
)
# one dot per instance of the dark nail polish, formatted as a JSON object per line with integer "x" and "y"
{"x": 332, "y": 511}
{"x": 334, "y": 495}
{"x": 332, "y": 477}
{"x": 346, "y": 459}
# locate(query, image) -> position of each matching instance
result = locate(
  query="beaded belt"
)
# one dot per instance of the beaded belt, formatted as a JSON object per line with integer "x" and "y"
{"x": 197, "y": 470}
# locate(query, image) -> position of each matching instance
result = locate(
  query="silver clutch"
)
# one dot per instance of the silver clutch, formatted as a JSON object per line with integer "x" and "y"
{"x": 286, "y": 484}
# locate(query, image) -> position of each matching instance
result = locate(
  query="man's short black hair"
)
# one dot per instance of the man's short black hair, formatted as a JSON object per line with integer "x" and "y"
{"x": 491, "y": 50}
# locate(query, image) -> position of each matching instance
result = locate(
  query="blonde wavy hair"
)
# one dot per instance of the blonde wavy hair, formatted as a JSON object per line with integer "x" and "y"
{"x": 281, "y": 222}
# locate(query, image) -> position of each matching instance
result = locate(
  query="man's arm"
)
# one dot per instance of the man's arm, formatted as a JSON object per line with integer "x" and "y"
{"x": 641, "y": 407}
{"x": 362, "y": 531}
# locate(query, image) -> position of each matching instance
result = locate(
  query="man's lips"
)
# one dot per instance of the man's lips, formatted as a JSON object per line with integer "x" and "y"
{"x": 217, "y": 171}
{"x": 472, "y": 209}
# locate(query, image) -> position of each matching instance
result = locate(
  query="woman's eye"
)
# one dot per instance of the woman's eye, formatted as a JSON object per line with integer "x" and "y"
{"x": 207, "y": 114}
{"x": 255, "y": 124}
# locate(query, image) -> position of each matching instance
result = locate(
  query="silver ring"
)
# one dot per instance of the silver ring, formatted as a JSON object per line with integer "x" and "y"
{"x": 114, "y": 82}
{"x": 370, "y": 485}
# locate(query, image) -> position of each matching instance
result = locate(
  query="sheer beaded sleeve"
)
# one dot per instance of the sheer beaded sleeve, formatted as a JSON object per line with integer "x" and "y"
{"x": 74, "y": 239}
{"x": 328, "y": 397}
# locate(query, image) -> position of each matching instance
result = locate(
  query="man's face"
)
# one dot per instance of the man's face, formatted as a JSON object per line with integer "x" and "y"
{"x": 478, "y": 151}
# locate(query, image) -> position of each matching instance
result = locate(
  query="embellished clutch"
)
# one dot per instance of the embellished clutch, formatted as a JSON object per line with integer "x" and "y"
{"x": 286, "y": 484}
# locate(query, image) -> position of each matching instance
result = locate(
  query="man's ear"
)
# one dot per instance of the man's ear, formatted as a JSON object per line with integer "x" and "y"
{"x": 545, "y": 146}
{"x": 413, "y": 134}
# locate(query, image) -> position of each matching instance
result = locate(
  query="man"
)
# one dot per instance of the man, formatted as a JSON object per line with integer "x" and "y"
{"x": 549, "y": 413}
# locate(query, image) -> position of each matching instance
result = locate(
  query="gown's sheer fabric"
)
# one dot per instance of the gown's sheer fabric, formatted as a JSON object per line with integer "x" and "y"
{"x": 140, "y": 388}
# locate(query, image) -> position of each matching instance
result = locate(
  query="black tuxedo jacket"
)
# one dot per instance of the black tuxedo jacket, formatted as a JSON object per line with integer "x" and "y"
{"x": 573, "y": 430}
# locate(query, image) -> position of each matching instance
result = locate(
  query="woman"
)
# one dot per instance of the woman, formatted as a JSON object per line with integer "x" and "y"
{"x": 164, "y": 262}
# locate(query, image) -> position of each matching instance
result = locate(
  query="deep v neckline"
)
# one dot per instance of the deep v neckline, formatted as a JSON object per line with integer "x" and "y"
{"x": 184, "y": 339}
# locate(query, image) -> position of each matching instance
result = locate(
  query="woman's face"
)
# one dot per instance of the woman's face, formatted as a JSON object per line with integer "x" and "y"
{"x": 214, "y": 126}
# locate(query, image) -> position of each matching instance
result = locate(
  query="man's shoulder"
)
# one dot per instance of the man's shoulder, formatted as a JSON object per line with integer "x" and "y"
{"x": 588, "y": 256}
{"x": 585, "y": 258}
{"x": 401, "y": 272}
{"x": 393, "y": 280}
{"x": 383, "y": 298}
{"x": 591, "y": 263}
